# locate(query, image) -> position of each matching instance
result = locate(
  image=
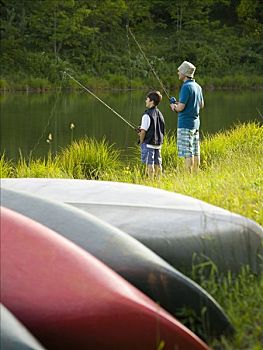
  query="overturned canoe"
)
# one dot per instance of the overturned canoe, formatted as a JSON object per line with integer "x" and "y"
{"x": 128, "y": 257}
{"x": 176, "y": 227}
{"x": 14, "y": 336}
{"x": 70, "y": 300}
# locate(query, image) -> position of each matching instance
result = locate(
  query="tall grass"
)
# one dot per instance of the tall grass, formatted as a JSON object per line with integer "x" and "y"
{"x": 230, "y": 177}
{"x": 89, "y": 159}
{"x": 48, "y": 167}
{"x": 241, "y": 297}
{"x": 6, "y": 167}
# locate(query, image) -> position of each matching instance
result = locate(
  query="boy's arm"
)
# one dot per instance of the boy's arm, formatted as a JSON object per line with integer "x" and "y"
{"x": 144, "y": 127}
{"x": 142, "y": 135}
{"x": 202, "y": 103}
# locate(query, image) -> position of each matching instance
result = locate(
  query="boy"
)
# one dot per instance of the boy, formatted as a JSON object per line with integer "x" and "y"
{"x": 151, "y": 134}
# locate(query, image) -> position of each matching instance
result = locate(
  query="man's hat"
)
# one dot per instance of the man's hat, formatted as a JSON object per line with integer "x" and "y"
{"x": 187, "y": 69}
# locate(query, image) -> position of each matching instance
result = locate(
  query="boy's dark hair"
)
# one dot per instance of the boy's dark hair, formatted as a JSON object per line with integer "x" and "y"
{"x": 155, "y": 96}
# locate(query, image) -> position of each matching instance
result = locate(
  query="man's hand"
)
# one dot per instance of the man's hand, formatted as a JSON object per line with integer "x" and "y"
{"x": 172, "y": 101}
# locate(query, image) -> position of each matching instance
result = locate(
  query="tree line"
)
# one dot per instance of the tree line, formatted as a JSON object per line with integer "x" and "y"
{"x": 41, "y": 38}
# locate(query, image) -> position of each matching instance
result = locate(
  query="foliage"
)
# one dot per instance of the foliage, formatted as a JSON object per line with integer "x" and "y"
{"x": 41, "y": 38}
{"x": 3, "y": 84}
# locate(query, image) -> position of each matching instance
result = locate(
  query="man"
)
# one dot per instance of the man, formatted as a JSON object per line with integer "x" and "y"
{"x": 190, "y": 101}
{"x": 151, "y": 134}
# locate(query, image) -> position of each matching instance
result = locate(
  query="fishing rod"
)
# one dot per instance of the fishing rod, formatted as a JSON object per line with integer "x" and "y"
{"x": 152, "y": 69}
{"x": 261, "y": 115}
{"x": 104, "y": 103}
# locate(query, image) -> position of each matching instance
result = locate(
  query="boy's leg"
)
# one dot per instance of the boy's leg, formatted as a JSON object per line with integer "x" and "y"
{"x": 150, "y": 170}
{"x": 157, "y": 162}
{"x": 147, "y": 157}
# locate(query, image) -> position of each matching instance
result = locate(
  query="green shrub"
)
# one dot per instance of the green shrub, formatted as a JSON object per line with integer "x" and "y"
{"x": 6, "y": 167}
{"x": 242, "y": 137}
{"x": 89, "y": 159}
{"x": 118, "y": 81}
{"x": 169, "y": 152}
{"x": 4, "y": 84}
{"x": 39, "y": 84}
{"x": 38, "y": 168}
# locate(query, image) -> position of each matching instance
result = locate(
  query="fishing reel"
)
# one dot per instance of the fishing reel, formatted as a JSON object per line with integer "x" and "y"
{"x": 172, "y": 100}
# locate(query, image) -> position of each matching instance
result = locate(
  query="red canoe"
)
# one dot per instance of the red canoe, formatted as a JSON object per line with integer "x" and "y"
{"x": 70, "y": 300}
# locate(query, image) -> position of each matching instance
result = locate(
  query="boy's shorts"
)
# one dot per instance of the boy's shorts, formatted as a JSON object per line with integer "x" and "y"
{"x": 188, "y": 143}
{"x": 151, "y": 156}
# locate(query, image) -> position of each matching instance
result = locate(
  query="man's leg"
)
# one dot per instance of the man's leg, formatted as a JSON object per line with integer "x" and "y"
{"x": 189, "y": 163}
{"x": 196, "y": 164}
{"x": 196, "y": 146}
{"x": 157, "y": 170}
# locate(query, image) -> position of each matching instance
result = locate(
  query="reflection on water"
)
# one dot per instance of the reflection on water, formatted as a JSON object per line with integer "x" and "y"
{"x": 28, "y": 119}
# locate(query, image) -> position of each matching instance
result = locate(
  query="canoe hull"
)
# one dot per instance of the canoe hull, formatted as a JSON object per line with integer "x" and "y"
{"x": 14, "y": 336}
{"x": 176, "y": 227}
{"x": 128, "y": 257}
{"x": 70, "y": 300}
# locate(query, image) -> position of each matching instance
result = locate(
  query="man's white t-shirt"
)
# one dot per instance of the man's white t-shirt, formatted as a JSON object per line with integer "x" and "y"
{"x": 146, "y": 121}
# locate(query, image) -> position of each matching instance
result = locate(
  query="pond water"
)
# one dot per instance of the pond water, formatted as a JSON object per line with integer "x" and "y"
{"x": 28, "y": 118}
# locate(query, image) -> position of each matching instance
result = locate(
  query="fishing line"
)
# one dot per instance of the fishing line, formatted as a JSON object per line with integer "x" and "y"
{"x": 50, "y": 116}
{"x": 259, "y": 113}
{"x": 152, "y": 69}
{"x": 130, "y": 78}
{"x": 105, "y": 104}
{"x": 131, "y": 75}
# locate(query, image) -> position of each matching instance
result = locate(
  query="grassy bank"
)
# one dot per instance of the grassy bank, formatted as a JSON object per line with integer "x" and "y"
{"x": 231, "y": 177}
{"x": 111, "y": 81}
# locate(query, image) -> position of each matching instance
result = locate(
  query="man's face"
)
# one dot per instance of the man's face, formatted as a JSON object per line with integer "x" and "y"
{"x": 180, "y": 76}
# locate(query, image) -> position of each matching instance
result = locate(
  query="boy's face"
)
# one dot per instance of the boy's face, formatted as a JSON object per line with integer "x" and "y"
{"x": 149, "y": 103}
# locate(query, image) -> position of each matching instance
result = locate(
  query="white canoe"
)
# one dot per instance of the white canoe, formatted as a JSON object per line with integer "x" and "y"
{"x": 177, "y": 227}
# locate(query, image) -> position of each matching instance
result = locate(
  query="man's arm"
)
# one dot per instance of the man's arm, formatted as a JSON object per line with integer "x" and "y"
{"x": 179, "y": 107}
